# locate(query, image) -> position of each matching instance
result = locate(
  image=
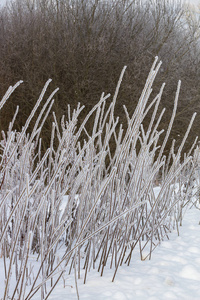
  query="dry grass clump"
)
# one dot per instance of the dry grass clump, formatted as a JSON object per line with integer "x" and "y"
{"x": 95, "y": 204}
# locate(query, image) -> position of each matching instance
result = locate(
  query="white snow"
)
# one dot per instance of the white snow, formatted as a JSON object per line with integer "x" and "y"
{"x": 172, "y": 273}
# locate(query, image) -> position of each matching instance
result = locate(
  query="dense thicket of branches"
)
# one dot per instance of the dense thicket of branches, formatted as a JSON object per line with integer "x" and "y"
{"x": 83, "y": 45}
{"x": 77, "y": 207}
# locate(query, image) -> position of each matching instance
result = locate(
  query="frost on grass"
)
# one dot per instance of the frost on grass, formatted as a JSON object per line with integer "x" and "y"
{"x": 81, "y": 203}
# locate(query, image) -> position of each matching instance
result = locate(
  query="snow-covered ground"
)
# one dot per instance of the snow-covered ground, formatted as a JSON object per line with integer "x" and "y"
{"x": 172, "y": 273}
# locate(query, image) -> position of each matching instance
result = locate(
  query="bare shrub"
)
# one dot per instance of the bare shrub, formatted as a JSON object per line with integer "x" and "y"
{"x": 78, "y": 202}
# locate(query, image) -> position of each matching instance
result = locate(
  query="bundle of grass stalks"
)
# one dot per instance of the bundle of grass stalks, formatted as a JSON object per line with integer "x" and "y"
{"x": 80, "y": 204}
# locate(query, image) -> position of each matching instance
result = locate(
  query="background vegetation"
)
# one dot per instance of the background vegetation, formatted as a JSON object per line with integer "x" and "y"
{"x": 83, "y": 45}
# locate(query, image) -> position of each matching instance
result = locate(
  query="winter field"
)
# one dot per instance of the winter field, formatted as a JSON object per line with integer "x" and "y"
{"x": 172, "y": 273}
{"x": 103, "y": 205}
